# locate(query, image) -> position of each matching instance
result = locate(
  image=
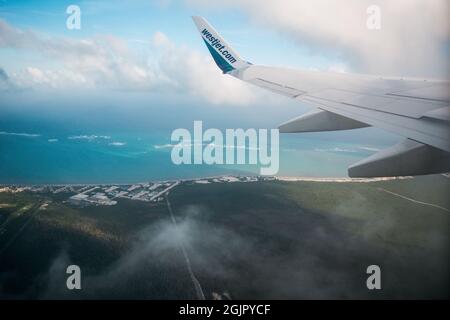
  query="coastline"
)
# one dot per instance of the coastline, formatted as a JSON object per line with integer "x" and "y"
{"x": 277, "y": 178}
{"x": 341, "y": 180}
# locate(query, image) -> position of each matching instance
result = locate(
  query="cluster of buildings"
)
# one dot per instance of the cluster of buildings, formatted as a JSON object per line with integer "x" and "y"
{"x": 108, "y": 195}
{"x": 97, "y": 198}
{"x": 40, "y": 189}
{"x": 229, "y": 179}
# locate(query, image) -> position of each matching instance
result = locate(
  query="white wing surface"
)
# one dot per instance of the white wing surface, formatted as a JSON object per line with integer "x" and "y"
{"x": 417, "y": 109}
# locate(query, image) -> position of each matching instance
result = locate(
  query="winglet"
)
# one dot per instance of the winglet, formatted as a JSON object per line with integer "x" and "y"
{"x": 226, "y": 58}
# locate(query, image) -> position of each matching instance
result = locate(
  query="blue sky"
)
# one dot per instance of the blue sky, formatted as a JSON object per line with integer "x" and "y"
{"x": 136, "y": 22}
{"x": 136, "y": 58}
{"x": 324, "y": 35}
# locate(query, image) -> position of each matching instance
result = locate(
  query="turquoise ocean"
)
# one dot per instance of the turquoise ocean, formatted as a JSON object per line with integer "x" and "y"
{"x": 111, "y": 157}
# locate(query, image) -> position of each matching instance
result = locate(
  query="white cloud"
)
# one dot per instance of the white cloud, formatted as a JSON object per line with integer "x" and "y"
{"x": 339, "y": 68}
{"x": 108, "y": 62}
{"x": 36, "y": 77}
{"x": 101, "y": 61}
{"x": 160, "y": 39}
{"x": 411, "y": 41}
{"x": 197, "y": 74}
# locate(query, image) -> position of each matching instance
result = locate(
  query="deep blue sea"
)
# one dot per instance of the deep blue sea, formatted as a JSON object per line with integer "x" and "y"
{"x": 109, "y": 157}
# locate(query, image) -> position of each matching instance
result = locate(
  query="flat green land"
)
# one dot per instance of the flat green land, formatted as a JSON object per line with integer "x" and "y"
{"x": 267, "y": 239}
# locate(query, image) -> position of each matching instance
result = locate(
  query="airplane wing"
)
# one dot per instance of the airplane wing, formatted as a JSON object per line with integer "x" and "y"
{"x": 416, "y": 109}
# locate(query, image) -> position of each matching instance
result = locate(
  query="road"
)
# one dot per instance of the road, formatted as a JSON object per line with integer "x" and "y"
{"x": 197, "y": 285}
{"x": 414, "y": 200}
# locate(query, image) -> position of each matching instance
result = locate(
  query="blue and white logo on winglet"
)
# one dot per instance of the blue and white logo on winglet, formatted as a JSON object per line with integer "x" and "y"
{"x": 225, "y": 57}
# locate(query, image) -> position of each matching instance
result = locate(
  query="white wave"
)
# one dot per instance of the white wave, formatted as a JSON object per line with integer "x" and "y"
{"x": 189, "y": 145}
{"x": 88, "y": 137}
{"x": 369, "y": 148}
{"x": 117, "y": 143}
{"x": 336, "y": 149}
{"x": 240, "y": 147}
{"x": 170, "y": 145}
{"x": 52, "y": 140}
{"x": 19, "y": 134}
{"x": 163, "y": 146}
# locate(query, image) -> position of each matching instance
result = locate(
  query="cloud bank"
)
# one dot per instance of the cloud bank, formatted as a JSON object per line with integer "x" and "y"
{"x": 106, "y": 61}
